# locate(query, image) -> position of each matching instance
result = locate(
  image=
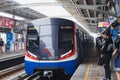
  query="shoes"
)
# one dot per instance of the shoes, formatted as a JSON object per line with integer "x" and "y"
{"x": 104, "y": 79}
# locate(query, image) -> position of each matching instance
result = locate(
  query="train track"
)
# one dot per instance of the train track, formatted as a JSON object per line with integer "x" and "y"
{"x": 34, "y": 76}
{"x": 37, "y": 76}
{"x": 9, "y": 72}
{"x": 18, "y": 73}
{"x": 11, "y": 61}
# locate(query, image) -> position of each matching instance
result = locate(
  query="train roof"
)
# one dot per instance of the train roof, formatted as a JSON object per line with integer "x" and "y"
{"x": 58, "y": 21}
{"x": 46, "y": 21}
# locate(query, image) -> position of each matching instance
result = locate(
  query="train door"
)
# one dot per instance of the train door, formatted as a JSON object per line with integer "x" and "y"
{"x": 81, "y": 45}
{"x": 78, "y": 45}
{"x": 85, "y": 44}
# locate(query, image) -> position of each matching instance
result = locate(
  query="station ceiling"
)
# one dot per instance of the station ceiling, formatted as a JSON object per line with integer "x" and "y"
{"x": 87, "y": 12}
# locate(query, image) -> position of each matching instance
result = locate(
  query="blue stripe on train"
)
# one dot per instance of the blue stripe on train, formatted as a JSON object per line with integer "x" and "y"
{"x": 69, "y": 66}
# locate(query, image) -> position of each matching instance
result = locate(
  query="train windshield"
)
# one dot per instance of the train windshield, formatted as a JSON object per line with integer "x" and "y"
{"x": 49, "y": 42}
{"x": 33, "y": 40}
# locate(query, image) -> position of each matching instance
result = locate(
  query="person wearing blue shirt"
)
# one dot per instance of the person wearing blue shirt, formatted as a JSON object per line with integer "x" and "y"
{"x": 117, "y": 60}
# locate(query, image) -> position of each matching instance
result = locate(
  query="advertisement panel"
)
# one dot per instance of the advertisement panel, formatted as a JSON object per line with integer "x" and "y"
{"x": 100, "y": 24}
{"x": 9, "y": 38}
{"x": 104, "y": 24}
{"x": 8, "y": 23}
{"x": 20, "y": 26}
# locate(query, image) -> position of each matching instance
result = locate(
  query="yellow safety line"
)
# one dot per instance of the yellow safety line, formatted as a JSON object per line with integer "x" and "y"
{"x": 87, "y": 72}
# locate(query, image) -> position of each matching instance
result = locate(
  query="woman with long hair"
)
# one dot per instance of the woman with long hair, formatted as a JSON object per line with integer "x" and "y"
{"x": 106, "y": 52}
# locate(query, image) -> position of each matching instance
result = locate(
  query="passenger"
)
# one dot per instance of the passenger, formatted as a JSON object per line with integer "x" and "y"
{"x": 106, "y": 53}
{"x": 117, "y": 60}
{"x": 17, "y": 45}
{"x": 99, "y": 43}
{"x": 1, "y": 45}
{"x": 114, "y": 32}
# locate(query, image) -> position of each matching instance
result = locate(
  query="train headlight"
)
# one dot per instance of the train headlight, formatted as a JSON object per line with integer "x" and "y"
{"x": 30, "y": 55}
{"x": 67, "y": 54}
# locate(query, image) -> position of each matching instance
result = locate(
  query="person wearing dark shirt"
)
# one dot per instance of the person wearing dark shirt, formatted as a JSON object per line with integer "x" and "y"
{"x": 106, "y": 52}
{"x": 99, "y": 43}
{"x": 1, "y": 45}
{"x": 117, "y": 59}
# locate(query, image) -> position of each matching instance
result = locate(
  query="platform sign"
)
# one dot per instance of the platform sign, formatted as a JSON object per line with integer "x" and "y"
{"x": 104, "y": 24}
{"x": 100, "y": 24}
{"x": 19, "y": 26}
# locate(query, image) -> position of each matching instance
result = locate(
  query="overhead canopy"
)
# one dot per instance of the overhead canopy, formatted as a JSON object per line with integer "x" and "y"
{"x": 12, "y": 7}
{"x": 87, "y": 12}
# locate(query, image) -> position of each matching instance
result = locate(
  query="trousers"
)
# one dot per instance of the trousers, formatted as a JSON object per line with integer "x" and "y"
{"x": 107, "y": 58}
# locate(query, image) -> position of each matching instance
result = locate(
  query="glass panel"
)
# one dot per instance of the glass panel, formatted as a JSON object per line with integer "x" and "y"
{"x": 33, "y": 40}
{"x": 66, "y": 37}
{"x": 48, "y": 41}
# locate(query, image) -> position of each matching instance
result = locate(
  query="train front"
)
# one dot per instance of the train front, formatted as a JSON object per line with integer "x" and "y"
{"x": 50, "y": 47}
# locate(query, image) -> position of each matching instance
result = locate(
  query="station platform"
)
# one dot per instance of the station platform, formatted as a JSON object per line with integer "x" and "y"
{"x": 11, "y": 54}
{"x": 89, "y": 70}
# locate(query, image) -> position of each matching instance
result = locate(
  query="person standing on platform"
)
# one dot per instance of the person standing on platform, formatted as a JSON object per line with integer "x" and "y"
{"x": 17, "y": 45}
{"x": 99, "y": 43}
{"x": 1, "y": 45}
{"x": 106, "y": 54}
{"x": 117, "y": 59}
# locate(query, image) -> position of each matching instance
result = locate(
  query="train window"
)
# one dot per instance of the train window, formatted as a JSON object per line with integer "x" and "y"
{"x": 66, "y": 37}
{"x": 32, "y": 30}
{"x": 32, "y": 37}
{"x": 33, "y": 41}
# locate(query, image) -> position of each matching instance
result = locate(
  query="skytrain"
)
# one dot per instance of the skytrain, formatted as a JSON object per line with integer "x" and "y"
{"x": 55, "y": 45}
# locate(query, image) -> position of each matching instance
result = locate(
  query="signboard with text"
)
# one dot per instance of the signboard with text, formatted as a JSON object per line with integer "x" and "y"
{"x": 104, "y": 24}
{"x": 8, "y": 22}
